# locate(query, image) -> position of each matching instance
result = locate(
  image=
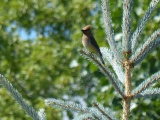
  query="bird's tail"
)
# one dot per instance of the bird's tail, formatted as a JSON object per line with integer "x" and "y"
{"x": 101, "y": 58}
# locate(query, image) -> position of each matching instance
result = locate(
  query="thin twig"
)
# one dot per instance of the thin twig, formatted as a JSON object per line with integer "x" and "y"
{"x": 148, "y": 93}
{"x": 109, "y": 29}
{"x": 150, "y": 43}
{"x": 104, "y": 70}
{"x": 95, "y": 104}
{"x": 18, "y": 98}
{"x": 127, "y": 9}
{"x": 146, "y": 85}
{"x": 143, "y": 22}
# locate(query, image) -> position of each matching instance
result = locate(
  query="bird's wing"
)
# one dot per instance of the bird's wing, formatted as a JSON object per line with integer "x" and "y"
{"x": 94, "y": 43}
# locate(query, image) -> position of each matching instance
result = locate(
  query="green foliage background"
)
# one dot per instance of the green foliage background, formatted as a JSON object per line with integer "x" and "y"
{"x": 49, "y": 65}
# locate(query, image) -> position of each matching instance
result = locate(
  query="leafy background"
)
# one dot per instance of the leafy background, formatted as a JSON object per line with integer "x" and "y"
{"x": 39, "y": 43}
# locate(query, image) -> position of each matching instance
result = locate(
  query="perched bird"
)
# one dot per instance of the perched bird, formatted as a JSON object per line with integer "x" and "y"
{"x": 90, "y": 43}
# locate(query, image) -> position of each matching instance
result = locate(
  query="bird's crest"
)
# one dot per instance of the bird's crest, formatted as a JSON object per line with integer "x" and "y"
{"x": 86, "y": 27}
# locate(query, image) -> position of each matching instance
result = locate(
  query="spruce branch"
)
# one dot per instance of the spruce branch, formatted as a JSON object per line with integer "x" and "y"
{"x": 97, "y": 114}
{"x": 42, "y": 114}
{"x": 104, "y": 111}
{"x": 116, "y": 84}
{"x": 109, "y": 29}
{"x": 88, "y": 112}
{"x": 139, "y": 29}
{"x": 66, "y": 105}
{"x": 152, "y": 42}
{"x": 89, "y": 54}
{"x": 145, "y": 84}
{"x": 19, "y": 99}
{"x": 150, "y": 92}
{"x": 126, "y": 26}
{"x": 85, "y": 116}
{"x": 108, "y": 55}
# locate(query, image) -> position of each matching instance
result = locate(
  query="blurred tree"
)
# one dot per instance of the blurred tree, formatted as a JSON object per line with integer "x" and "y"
{"x": 49, "y": 64}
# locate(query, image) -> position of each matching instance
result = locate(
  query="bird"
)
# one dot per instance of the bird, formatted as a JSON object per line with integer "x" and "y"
{"x": 90, "y": 43}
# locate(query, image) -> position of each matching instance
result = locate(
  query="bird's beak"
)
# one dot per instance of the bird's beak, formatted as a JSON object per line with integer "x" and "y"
{"x": 82, "y": 30}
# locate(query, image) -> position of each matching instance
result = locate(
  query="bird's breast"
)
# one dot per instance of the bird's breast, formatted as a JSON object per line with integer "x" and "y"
{"x": 85, "y": 41}
{"x": 87, "y": 44}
